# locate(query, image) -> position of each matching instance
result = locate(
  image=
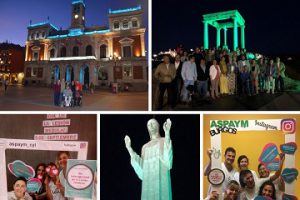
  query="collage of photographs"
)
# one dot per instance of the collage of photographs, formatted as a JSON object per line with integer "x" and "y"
{"x": 149, "y": 100}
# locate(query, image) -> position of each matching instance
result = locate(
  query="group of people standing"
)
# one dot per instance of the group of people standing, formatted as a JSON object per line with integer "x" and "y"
{"x": 53, "y": 178}
{"x": 243, "y": 183}
{"x": 214, "y": 73}
{"x": 64, "y": 89}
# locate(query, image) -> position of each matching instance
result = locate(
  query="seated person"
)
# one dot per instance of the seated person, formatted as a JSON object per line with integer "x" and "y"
{"x": 19, "y": 192}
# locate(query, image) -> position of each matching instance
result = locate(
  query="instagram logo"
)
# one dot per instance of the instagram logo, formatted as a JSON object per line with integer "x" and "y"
{"x": 288, "y": 125}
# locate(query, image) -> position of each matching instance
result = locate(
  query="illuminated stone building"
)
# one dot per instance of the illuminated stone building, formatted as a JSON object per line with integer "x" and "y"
{"x": 97, "y": 54}
{"x": 12, "y": 62}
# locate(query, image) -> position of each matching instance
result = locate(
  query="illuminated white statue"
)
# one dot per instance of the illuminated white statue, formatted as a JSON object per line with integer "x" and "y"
{"x": 154, "y": 164}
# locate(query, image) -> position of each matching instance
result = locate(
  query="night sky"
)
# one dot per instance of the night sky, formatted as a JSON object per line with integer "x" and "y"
{"x": 16, "y": 15}
{"x": 272, "y": 27}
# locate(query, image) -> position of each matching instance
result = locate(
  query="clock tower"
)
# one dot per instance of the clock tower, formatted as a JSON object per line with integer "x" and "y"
{"x": 78, "y": 14}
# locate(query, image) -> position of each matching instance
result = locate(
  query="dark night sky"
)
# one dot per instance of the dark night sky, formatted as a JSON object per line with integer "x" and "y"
{"x": 118, "y": 179}
{"x": 16, "y": 14}
{"x": 272, "y": 27}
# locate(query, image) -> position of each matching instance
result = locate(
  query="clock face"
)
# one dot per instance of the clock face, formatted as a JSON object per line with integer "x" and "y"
{"x": 76, "y": 8}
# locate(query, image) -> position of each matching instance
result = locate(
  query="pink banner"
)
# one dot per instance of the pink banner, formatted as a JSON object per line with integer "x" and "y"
{"x": 59, "y": 122}
{"x": 56, "y": 130}
{"x": 56, "y": 116}
{"x": 58, "y": 137}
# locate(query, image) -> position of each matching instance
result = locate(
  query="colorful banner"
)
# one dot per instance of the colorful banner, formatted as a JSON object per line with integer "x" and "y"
{"x": 288, "y": 148}
{"x": 58, "y": 137}
{"x": 80, "y": 178}
{"x": 288, "y": 197}
{"x": 268, "y": 154}
{"x": 59, "y": 122}
{"x": 19, "y": 169}
{"x": 289, "y": 175}
{"x": 49, "y": 130}
{"x": 34, "y": 185}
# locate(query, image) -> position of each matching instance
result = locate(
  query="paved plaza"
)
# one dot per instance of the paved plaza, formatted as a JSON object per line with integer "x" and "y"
{"x": 20, "y": 98}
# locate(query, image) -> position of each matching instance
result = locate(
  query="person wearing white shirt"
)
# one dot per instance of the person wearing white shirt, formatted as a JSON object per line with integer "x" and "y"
{"x": 243, "y": 163}
{"x": 227, "y": 167}
{"x": 214, "y": 74}
{"x": 189, "y": 76}
{"x": 251, "y": 186}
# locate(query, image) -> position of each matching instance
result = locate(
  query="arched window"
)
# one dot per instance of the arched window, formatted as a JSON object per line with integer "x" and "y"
{"x": 88, "y": 50}
{"x": 52, "y": 53}
{"x": 116, "y": 25}
{"x": 125, "y": 24}
{"x": 134, "y": 23}
{"x": 63, "y": 52}
{"x": 75, "y": 51}
{"x": 103, "y": 51}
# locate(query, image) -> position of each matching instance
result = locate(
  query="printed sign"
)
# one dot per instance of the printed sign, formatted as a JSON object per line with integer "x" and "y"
{"x": 34, "y": 185}
{"x": 288, "y": 148}
{"x": 80, "y": 178}
{"x": 59, "y": 122}
{"x": 288, "y": 126}
{"x": 274, "y": 165}
{"x": 288, "y": 197}
{"x": 289, "y": 175}
{"x": 216, "y": 176}
{"x": 268, "y": 154}
{"x": 56, "y": 129}
{"x": 19, "y": 169}
{"x": 56, "y": 116}
{"x": 58, "y": 137}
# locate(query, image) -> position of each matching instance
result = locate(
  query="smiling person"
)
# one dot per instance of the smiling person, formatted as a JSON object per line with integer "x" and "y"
{"x": 267, "y": 189}
{"x": 19, "y": 192}
{"x": 227, "y": 167}
{"x": 40, "y": 173}
{"x": 251, "y": 186}
{"x": 243, "y": 163}
{"x": 61, "y": 161}
{"x": 232, "y": 192}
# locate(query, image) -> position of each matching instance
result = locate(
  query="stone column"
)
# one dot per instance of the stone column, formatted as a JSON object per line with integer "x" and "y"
{"x": 235, "y": 34}
{"x": 243, "y": 36}
{"x": 218, "y": 37}
{"x": 206, "y": 43}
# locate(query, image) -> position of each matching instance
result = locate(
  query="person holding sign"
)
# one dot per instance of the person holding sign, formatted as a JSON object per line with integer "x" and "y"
{"x": 251, "y": 186}
{"x": 19, "y": 192}
{"x": 227, "y": 167}
{"x": 154, "y": 165}
{"x": 61, "y": 161}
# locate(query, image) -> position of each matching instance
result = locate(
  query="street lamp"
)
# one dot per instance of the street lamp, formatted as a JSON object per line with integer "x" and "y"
{"x": 115, "y": 58}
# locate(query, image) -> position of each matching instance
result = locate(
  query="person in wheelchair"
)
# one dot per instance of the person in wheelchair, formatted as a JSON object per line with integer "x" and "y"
{"x": 67, "y": 97}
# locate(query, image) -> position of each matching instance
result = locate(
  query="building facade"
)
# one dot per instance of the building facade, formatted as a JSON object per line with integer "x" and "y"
{"x": 98, "y": 54}
{"x": 12, "y": 62}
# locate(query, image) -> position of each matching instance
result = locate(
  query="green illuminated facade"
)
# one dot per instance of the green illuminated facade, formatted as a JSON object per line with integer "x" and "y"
{"x": 223, "y": 21}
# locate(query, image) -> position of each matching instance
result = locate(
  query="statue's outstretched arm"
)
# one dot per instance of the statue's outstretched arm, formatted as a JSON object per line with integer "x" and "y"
{"x": 136, "y": 161}
{"x": 168, "y": 149}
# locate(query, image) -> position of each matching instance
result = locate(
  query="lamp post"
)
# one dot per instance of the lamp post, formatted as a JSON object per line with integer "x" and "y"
{"x": 115, "y": 58}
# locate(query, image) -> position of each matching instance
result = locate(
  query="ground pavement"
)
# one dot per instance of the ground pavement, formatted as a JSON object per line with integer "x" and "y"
{"x": 28, "y": 98}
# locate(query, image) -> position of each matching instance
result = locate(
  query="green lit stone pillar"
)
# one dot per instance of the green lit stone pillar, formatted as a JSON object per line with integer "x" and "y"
{"x": 235, "y": 34}
{"x": 225, "y": 38}
{"x": 243, "y": 37}
{"x": 218, "y": 37}
{"x": 206, "y": 45}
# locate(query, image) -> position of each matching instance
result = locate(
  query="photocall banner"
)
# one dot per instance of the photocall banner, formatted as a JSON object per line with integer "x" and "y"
{"x": 81, "y": 147}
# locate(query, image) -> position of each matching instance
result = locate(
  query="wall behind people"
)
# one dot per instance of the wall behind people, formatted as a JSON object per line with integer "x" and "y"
{"x": 249, "y": 143}
{"x": 26, "y": 126}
